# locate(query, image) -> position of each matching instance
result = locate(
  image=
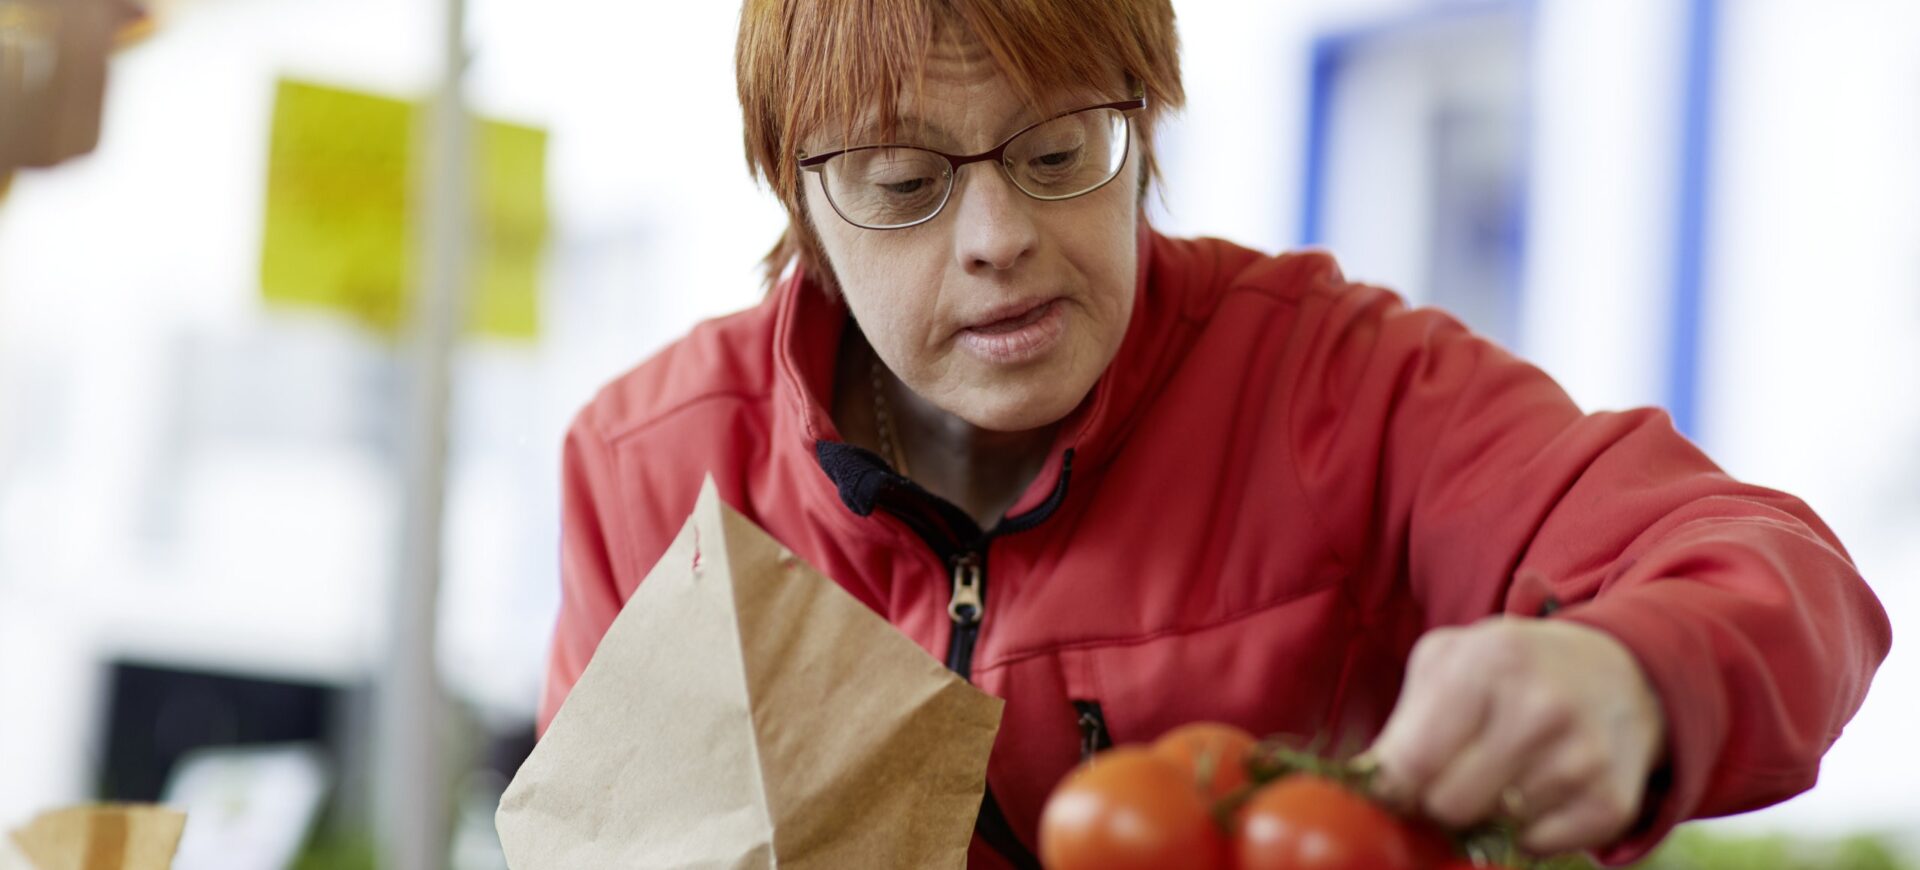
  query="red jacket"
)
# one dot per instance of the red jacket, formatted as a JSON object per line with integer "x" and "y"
{"x": 1281, "y": 481}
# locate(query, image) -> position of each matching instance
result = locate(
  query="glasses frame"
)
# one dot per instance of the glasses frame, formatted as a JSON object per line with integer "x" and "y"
{"x": 817, "y": 163}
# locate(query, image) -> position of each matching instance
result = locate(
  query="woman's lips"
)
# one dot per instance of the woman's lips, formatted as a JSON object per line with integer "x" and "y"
{"x": 1017, "y": 339}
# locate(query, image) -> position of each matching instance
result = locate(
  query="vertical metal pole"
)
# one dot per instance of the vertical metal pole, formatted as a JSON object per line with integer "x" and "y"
{"x": 413, "y": 795}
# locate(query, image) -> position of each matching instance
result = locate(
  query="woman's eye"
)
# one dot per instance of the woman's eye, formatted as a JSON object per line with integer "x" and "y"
{"x": 1056, "y": 159}
{"x": 911, "y": 185}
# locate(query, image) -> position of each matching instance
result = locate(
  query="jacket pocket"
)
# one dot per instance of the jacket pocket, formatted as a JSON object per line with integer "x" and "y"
{"x": 1275, "y": 671}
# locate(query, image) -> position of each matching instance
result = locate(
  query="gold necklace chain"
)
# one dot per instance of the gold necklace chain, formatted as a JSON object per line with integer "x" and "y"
{"x": 890, "y": 447}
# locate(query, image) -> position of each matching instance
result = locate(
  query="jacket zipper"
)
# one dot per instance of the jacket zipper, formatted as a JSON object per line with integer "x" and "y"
{"x": 963, "y": 546}
{"x": 967, "y": 608}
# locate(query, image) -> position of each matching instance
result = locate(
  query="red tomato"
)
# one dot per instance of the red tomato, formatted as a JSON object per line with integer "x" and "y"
{"x": 1214, "y": 755}
{"x": 1129, "y": 808}
{"x": 1306, "y": 822}
{"x": 1431, "y": 846}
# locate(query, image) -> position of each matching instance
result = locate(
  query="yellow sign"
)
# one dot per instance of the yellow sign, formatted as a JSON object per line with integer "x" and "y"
{"x": 339, "y": 232}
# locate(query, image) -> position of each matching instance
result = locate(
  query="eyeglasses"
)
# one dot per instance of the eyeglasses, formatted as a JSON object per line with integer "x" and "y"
{"x": 891, "y": 187}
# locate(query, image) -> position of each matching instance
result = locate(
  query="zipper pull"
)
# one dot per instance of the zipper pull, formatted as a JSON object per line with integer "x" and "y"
{"x": 966, "y": 606}
{"x": 1093, "y": 729}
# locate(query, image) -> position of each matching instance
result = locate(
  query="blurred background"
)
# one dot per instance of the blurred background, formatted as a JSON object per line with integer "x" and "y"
{"x": 223, "y": 506}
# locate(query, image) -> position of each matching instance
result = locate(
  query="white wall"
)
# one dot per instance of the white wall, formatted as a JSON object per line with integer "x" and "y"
{"x": 1604, "y": 199}
{"x": 1812, "y": 371}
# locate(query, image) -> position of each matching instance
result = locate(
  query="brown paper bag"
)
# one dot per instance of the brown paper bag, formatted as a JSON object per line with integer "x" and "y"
{"x": 746, "y": 712}
{"x": 107, "y": 837}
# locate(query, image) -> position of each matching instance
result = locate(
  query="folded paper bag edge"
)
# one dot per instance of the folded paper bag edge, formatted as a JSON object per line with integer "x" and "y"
{"x": 565, "y": 807}
{"x": 718, "y": 536}
{"x": 923, "y": 763}
{"x": 119, "y": 836}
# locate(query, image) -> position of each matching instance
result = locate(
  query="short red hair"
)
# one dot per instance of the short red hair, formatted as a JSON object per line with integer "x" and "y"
{"x": 807, "y": 64}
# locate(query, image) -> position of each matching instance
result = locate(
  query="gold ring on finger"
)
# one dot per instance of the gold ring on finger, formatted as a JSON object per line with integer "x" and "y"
{"x": 1512, "y": 802}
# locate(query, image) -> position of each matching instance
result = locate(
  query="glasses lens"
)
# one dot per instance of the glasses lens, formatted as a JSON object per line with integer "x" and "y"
{"x": 1070, "y": 155}
{"x": 887, "y": 187}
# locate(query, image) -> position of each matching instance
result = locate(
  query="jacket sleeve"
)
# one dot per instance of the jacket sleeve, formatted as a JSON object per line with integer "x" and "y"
{"x": 1479, "y": 485}
{"x": 589, "y": 594}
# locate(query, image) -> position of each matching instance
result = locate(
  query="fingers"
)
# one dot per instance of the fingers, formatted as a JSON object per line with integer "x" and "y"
{"x": 1523, "y": 722}
{"x": 1595, "y": 815}
{"x": 1439, "y": 712}
{"x": 1560, "y": 775}
{"x": 1520, "y": 717}
{"x": 1578, "y": 798}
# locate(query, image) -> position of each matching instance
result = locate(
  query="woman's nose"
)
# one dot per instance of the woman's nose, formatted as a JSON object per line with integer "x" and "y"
{"x": 993, "y": 221}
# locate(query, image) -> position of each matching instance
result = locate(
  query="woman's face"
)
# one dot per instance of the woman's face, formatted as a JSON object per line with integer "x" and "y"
{"x": 1002, "y": 310}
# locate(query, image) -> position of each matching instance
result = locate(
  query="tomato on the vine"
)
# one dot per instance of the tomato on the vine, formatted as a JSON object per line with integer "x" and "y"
{"x": 1432, "y": 848}
{"x": 1308, "y": 822}
{"x": 1129, "y": 808}
{"x": 1213, "y": 754}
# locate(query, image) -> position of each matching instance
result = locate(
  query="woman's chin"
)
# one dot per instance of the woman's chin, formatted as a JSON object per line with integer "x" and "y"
{"x": 1010, "y": 408}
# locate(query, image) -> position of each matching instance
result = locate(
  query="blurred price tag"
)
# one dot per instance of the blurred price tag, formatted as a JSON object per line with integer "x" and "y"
{"x": 339, "y": 234}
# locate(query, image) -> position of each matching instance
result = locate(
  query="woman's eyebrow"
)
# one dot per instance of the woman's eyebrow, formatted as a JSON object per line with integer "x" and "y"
{"x": 905, "y": 125}
{"x": 909, "y": 125}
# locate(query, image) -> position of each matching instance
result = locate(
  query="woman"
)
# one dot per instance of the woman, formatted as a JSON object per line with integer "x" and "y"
{"x": 1125, "y": 481}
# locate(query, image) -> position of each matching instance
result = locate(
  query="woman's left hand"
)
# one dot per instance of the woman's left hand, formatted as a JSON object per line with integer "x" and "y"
{"x": 1551, "y": 723}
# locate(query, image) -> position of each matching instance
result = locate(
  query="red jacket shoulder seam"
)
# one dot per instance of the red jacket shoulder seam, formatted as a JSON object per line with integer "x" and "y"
{"x": 636, "y": 427}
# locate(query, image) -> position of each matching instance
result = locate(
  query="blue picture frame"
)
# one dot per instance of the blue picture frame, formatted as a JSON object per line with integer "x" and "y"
{"x": 1330, "y": 56}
